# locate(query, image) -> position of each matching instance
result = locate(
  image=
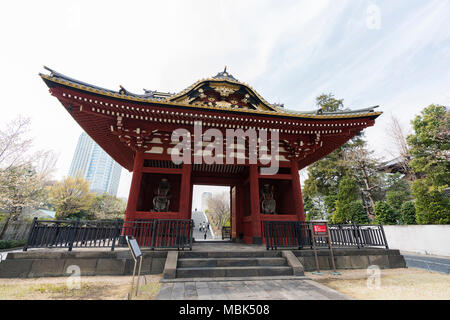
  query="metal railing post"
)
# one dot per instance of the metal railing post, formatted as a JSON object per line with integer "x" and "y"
{"x": 116, "y": 233}
{"x": 384, "y": 236}
{"x": 74, "y": 233}
{"x": 25, "y": 248}
{"x": 155, "y": 222}
{"x": 356, "y": 232}
{"x": 191, "y": 224}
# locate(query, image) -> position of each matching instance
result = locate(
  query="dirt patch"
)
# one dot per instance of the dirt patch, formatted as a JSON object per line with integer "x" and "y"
{"x": 388, "y": 284}
{"x": 65, "y": 288}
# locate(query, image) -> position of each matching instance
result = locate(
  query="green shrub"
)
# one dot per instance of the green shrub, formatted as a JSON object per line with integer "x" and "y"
{"x": 347, "y": 194}
{"x": 384, "y": 214}
{"x": 408, "y": 212}
{"x": 432, "y": 206}
{"x": 7, "y": 244}
{"x": 356, "y": 212}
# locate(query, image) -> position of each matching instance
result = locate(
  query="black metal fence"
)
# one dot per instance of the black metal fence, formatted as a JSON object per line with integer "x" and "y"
{"x": 151, "y": 233}
{"x": 296, "y": 234}
{"x": 226, "y": 233}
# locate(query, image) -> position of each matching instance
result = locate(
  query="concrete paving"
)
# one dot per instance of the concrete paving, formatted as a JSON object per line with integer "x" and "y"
{"x": 270, "y": 289}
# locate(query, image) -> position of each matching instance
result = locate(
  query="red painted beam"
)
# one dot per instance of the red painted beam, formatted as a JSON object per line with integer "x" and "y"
{"x": 161, "y": 170}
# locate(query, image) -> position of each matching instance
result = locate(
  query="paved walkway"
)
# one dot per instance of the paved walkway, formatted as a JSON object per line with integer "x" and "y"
{"x": 248, "y": 290}
{"x": 427, "y": 262}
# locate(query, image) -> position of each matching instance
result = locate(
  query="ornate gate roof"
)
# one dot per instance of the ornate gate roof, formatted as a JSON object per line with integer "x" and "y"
{"x": 122, "y": 122}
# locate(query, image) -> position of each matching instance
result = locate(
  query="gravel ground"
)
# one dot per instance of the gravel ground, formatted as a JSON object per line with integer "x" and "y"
{"x": 391, "y": 284}
{"x": 90, "y": 288}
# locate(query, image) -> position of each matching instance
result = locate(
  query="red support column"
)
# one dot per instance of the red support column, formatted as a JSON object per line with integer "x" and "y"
{"x": 254, "y": 204}
{"x": 239, "y": 212}
{"x": 233, "y": 207}
{"x": 133, "y": 197}
{"x": 297, "y": 191}
{"x": 185, "y": 192}
{"x": 190, "y": 200}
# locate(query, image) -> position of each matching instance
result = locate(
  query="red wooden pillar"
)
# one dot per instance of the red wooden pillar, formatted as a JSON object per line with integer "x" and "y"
{"x": 133, "y": 197}
{"x": 190, "y": 200}
{"x": 185, "y": 192}
{"x": 297, "y": 191}
{"x": 239, "y": 211}
{"x": 233, "y": 208}
{"x": 254, "y": 204}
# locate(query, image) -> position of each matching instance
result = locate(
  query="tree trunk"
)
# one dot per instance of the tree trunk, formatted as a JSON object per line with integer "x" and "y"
{"x": 372, "y": 204}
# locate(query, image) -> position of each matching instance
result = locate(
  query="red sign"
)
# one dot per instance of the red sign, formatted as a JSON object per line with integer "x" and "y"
{"x": 321, "y": 228}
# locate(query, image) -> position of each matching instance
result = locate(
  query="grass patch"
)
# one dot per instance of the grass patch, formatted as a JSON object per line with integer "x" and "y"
{"x": 148, "y": 291}
{"x": 60, "y": 289}
{"x": 43, "y": 291}
{"x": 7, "y": 244}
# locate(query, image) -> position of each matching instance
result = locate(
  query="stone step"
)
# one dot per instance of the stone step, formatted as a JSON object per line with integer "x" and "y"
{"x": 228, "y": 254}
{"x": 252, "y": 271}
{"x": 230, "y": 262}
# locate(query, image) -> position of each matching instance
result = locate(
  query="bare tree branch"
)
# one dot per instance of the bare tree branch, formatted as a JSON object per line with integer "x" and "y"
{"x": 14, "y": 145}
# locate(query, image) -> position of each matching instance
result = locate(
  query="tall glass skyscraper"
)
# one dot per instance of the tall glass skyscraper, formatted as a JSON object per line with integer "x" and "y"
{"x": 96, "y": 166}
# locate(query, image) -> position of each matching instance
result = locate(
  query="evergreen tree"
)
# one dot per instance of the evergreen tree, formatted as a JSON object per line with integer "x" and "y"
{"x": 429, "y": 148}
{"x": 408, "y": 212}
{"x": 311, "y": 210}
{"x": 357, "y": 213}
{"x": 384, "y": 214}
{"x": 353, "y": 159}
{"x": 398, "y": 193}
{"x": 106, "y": 206}
{"x": 328, "y": 103}
{"x": 324, "y": 175}
{"x": 432, "y": 206}
{"x": 347, "y": 194}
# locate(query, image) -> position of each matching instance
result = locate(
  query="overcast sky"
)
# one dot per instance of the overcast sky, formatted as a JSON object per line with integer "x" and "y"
{"x": 395, "y": 54}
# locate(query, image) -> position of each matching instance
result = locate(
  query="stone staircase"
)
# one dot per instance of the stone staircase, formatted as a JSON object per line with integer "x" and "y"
{"x": 224, "y": 264}
{"x": 199, "y": 217}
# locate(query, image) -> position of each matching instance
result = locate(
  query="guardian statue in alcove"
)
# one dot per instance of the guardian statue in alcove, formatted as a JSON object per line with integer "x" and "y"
{"x": 161, "y": 200}
{"x": 268, "y": 203}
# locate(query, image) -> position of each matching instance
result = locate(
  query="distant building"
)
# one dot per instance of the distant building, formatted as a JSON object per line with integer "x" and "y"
{"x": 397, "y": 165}
{"x": 205, "y": 199}
{"x": 91, "y": 162}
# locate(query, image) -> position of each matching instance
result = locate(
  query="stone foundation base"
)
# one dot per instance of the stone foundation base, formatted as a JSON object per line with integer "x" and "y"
{"x": 50, "y": 263}
{"x": 45, "y": 263}
{"x": 351, "y": 258}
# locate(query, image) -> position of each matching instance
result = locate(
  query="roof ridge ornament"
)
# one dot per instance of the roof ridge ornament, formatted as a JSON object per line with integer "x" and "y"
{"x": 225, "y": 75}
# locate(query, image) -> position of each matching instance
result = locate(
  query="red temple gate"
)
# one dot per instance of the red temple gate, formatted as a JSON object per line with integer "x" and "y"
{"x": 137, "y": 131}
